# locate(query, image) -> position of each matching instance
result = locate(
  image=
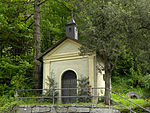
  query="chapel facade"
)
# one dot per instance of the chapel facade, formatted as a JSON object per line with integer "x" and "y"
{"x": 66, "y": 66}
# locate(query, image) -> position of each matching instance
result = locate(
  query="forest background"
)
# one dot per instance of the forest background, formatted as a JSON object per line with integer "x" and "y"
{"x": 132, "y": 69}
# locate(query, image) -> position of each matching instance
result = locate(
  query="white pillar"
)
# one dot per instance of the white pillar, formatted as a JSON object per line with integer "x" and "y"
{"x": 100, "y": 83}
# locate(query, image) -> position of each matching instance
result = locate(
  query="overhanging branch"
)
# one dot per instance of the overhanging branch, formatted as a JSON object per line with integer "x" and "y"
{"x": 113, "y": 66}
{"x": 28, "y": 17}
{"x": 144, "y": 27}
{"x": 42, "y": 2}
{"x": 17, "y": 1}
{"x": 30, "y": 25}
{"x": 64, "y": 5}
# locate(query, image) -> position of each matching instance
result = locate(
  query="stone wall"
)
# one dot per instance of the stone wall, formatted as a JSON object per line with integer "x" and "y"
{"x": 63, "y": 109}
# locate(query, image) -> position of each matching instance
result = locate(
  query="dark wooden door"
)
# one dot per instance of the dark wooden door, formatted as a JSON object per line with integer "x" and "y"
{"x": 69, "y": 80}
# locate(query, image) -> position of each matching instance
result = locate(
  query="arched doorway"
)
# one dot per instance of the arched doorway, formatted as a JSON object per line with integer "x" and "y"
{"x": 69, "y": 80}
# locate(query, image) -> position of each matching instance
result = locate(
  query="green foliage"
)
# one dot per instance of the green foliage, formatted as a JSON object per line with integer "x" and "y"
{"x": 7, "y": 103}
{"x": 123, "y": 88}
{"x": 15, "y": 50}
{"x": 15, "y": 38}
{"x": 51, "y": 92}
{"x": 110, "y": 28}
{"x": 53, "y": 22}
{"x": 127, "y": 71}
{"x": 15, "y": 73}
{"x": 146, "y": 81}
{"x": 146, "y": 84}
{"x": 16, "y": 41}
{"x": 126, "y": 103}
{"x": 84, "y": 88}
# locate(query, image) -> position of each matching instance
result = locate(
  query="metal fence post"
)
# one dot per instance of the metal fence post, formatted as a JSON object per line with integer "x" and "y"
{"x": 53, "y": 96}
{"x": 16, "y": 95}
{"x": 130, "y": 106}
{"x": 109, "y": 103}
{"x": 109, "y": 98}
{"x": 92, "y": 98}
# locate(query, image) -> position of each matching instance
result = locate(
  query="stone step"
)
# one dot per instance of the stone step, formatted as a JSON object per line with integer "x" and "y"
{"x": 63, "y": 109}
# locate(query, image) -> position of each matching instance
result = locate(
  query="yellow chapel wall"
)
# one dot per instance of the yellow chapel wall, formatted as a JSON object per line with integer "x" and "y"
{"x": 66, "y": 57}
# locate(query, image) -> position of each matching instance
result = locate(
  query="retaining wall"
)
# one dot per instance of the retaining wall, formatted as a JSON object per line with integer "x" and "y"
{"x": 63, "y": 109}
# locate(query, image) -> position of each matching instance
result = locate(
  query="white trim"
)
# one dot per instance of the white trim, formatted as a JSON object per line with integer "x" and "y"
{"x": 65, "y": 58}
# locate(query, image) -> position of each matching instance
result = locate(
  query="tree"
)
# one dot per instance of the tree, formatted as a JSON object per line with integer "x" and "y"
{"x": 113, "y": 27}
{"x": 48, "y": 29}
{"x": 15, "y": 46}
{"x": 17, "y": 33}
{"x": 37, "y": 44}
{"x": 20, "y": 27}
{"x": 53, "y": 22}
{"x": 15, "y": 36}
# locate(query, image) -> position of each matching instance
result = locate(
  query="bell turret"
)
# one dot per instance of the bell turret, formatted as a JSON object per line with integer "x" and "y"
{"x": 71, "y": 30}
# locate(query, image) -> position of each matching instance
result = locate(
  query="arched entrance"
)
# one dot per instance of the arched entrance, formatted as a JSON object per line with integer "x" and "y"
{"x": 69, "y": 80}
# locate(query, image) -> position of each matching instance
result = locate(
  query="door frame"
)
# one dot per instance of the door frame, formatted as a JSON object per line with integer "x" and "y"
{"x": 60, "y": 82}
{"x": 71, "y": 78}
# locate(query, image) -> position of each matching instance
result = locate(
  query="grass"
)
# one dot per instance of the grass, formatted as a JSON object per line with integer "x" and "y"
{"x": 141, "y": 102}
{"x": 118, "y": 99}
{"x": 123, "y": 89}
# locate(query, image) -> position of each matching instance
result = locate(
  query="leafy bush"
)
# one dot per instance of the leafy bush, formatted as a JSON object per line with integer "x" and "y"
{"x": 84, "y": 83}
{"x": 51, "y": 90}
{"x": 146, "y": 84}
{"x": 141, "y": 102}
{"x": 127, "y": 71}
{"x": 15, "y": 73}
{"x": 7, "y": 103}
{"x": 146, "y": 81}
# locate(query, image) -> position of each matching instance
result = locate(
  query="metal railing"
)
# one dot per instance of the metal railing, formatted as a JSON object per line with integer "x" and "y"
{"x": 129, "y": 101}
{"x": 82, "y": 93}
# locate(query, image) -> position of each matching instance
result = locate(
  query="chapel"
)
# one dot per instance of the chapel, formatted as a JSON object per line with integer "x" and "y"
{"x": 66, "y": 66}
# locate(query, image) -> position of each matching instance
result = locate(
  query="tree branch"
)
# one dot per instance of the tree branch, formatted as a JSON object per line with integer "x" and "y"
{"x": 113, "y": 66}
{"x": 144, "y": 27}
{"x": 63, "y": 5}
{"x": 28, "y": 17}
{"x": 58, "y": 2}
{"x": 21, "y": 11}
{"x": 42, "y": 2}
{"x": 30, "y": 25}
{"x": 16, "y": 2}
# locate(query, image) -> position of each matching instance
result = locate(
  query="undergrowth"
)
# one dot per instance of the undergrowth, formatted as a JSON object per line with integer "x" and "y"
{"x": 122, "y": 89}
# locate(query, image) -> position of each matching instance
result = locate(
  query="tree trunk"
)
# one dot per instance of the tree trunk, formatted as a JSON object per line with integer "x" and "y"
{"x": 37, "y": 44}
{"x": 107, "y": 87}
{"x": 107, "y": 83}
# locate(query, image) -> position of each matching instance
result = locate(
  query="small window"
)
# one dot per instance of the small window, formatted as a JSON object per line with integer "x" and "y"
{"x": 70, "y": 29}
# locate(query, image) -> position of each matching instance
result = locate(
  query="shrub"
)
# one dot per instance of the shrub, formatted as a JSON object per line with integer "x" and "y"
{"x": 84, "y": 83}
{"x": 15, "y": 73}
{"x": 7, "y": 103}
{"x": 146, "y": 84}
{"x": 51, "y": 90}
{"x": 146, "y": 81}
